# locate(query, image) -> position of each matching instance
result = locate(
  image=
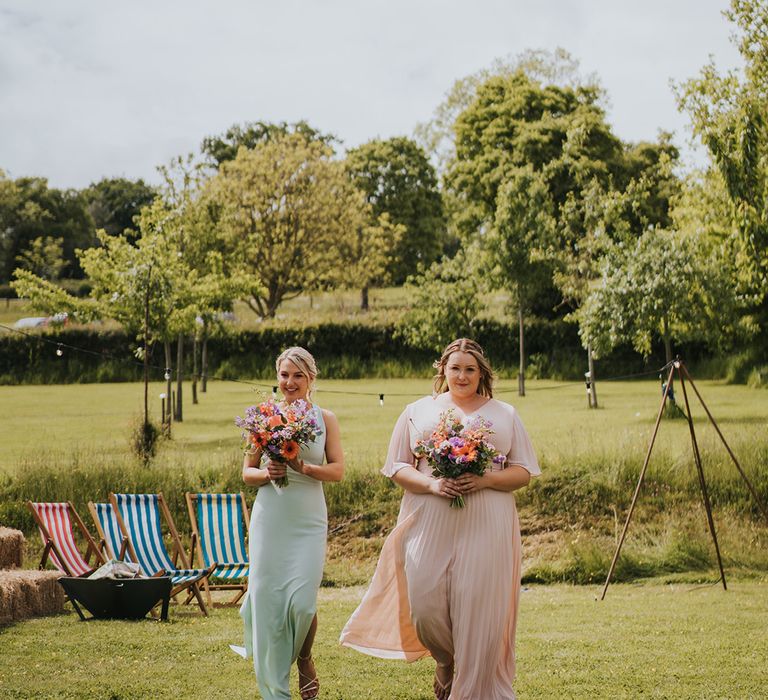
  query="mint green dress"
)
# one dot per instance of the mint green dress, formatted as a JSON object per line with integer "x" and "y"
{"x": 286, "y": 547}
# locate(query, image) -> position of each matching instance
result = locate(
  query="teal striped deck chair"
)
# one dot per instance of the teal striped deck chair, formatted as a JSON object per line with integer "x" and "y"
{"x": 113, "y": 544}
{"x": 140, "y": 517}
{"x": 219, "y": 524}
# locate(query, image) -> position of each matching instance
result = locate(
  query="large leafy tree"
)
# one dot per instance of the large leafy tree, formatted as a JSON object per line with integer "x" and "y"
{"x": 283, "y": 208}
{"x": 728, "y": 114}
{"x": 114, "y": 204}
{"x": 664, "y": 284}
{"x": 525, "y": 154}
{"x": 398, "y": 180}
{"x": 31, "y": 210}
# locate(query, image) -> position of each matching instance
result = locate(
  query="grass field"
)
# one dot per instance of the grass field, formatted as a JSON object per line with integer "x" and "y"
{"x": 666, "y": 638}
{"x": 60, "y": 419}
{"x": 649, "y": 641}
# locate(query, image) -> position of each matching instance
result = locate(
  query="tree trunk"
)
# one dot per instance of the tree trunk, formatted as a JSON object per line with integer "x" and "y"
{"x": 168, "y": 398}
{"x": 521, "y": 336}
{"x": 364, "y": 299}
{"x": 195, "y": 366}
{"x": 179, "y": 412}
{"x": 592, "y": 378}
{"x": 667, "y": 344}
{"x": 204, "y": 360}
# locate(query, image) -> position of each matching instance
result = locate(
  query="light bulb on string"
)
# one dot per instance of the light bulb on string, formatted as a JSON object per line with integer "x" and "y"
{"x": 167, "y": 374}
{"x": 59, "y": 350}
{"x": 381, "y": 399}
{"x": 274, "y": 392}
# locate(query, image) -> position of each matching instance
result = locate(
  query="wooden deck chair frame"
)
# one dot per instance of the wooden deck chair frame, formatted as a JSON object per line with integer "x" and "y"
{"x": 178, "y": 553}
{"x": 105, "y": 542}
{"x": 197, "y": 551}
{"x": 52, "y": 547}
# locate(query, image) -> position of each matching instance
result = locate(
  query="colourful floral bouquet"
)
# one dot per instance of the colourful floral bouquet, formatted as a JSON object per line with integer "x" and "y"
{"x": 279, "y": 430}
{"x": 454, "y": 449}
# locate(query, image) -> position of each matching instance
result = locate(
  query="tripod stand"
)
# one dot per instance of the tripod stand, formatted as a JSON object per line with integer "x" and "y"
{"x": 678, "y": 367}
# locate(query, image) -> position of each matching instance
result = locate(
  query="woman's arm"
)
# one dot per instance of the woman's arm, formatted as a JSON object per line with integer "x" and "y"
{"x": 510, "y": 479}
{"x": 333, "y": 469}
{"x": 254, "y": 475}
{"x": 411, "y": 479}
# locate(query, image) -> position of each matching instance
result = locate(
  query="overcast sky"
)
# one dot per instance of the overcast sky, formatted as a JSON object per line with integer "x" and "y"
{"x": 92, "y": 89}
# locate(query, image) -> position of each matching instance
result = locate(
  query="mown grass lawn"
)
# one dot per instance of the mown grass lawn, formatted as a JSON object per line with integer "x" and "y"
{"x": 650, "y": 641}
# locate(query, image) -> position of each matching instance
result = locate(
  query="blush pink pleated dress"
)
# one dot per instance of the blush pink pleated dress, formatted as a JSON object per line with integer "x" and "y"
{"x": 447, "y": 583}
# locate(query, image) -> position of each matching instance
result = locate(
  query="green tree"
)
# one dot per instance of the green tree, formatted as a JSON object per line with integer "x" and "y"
{"x": 44, "y": 257}
{"x": 398, "y": 180}
{"x": 524, "y": 154}
{"x": 283, "y": 208}
{"x": 365, "y": 253}
{"x": 29, "y": 209}
{"x": 447, "y": 301}
{"x": 728, "y": 115}
{"x": 556, "y": 67}
{"x": 523, "y": 220}
{"x": 114, "y": 204}
{"x": 665, "y": 284}
{"x": 220, "y": 149}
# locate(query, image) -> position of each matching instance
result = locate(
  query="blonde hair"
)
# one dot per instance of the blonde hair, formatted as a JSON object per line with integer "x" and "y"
{"x": 485, "y": 388}
{"x": 303, "y": 360}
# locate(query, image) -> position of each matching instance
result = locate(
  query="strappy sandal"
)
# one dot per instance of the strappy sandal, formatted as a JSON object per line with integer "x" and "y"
{"x": 311, "y": 689}
{"x": 442, "y": 690}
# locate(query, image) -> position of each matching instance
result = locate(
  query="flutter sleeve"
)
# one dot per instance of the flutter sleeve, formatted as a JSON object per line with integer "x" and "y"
{"x": 521, "y": 452}
{"x": 399, "y": 454}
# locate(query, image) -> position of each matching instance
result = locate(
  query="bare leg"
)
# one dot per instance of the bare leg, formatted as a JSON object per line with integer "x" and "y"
{"x": 309, "y": 686}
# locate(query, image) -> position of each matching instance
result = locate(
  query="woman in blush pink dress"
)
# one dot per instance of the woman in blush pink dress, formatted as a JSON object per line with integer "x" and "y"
{"x": 448, "y": 580}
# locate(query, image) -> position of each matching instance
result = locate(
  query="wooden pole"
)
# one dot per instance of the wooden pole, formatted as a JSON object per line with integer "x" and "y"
{"x": 639, "y": 483}
{"x": 702, "y": 481}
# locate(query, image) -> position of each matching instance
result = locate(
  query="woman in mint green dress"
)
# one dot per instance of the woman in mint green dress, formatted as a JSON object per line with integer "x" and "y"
{"x": 287, "y": 544}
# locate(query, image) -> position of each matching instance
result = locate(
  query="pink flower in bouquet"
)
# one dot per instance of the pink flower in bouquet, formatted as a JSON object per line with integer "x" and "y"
{"x": 454, "y": 449}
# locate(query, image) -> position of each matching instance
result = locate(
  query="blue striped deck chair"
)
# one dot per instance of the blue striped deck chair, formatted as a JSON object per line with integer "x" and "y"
{"x": 140, "y": 516}
{"x": 219, "y": 523}
{"x": 113, "y": 544}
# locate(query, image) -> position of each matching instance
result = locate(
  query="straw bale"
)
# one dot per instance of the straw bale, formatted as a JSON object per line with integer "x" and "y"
{"x": 25, "y": 593}
{"x": 11, "y": 548}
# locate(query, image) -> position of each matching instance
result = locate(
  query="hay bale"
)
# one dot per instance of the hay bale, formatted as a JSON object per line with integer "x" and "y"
{"x": 25, "y": 593}
{"x": 11, "y": 548}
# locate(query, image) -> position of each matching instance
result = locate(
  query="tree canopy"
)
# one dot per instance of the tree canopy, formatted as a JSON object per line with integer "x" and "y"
{"x": 283, "y": 208}
{"x": 223, "y": 148}
{"x": 399, "y": 181}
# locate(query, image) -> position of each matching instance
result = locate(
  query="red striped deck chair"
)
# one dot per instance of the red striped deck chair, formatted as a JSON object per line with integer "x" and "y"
{"x": 55, "y": 520}
{"x": 219, "y": 523}
{"x": 140, "y": 516}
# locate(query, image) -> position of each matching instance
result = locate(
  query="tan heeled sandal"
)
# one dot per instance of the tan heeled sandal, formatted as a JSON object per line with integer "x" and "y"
{"x": 442, "y": 690}
{"x": 311, "y": 689}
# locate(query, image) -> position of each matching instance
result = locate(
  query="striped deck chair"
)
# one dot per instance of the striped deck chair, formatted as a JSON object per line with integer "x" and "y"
{"x": 113, "y": 544}
{"x": 217, "y": 524}
{"x": 139, "y": 516}
{"x": 54, "y": 520}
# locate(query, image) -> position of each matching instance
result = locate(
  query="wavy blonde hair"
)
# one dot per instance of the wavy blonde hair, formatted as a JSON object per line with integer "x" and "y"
{"x": 485, "y": 388}
{"x": 303, "y": 360}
